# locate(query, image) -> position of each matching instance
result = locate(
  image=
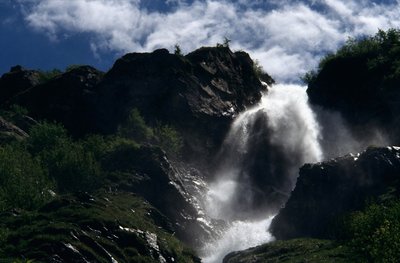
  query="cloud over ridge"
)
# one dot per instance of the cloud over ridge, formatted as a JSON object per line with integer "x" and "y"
{"x": 287, "y": 37}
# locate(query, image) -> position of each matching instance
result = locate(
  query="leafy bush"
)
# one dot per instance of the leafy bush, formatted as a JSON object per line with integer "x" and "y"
{"x": 169, "y": 139}
{"x": 178, "y": 50}
{"x": 73, "y": 167}
{"x": 45, "y": 136}
{"x": 375, "y": 232}
{"x": 23, "y": 182}
{"x": 381, "y": 53}
{"x": 121, "y": 155}
{"x": 135, "y": 128}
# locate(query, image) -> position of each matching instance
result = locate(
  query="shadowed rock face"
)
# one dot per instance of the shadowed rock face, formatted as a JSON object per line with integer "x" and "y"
{"x": 16, "y": 81}
{"x": 198, "y": 93}
{"x": 148, "y": 172}
{"x": 10, "y": 132}
{"x": 66, "y": 98}
{"x": 327, "y": 191}
{"x": 367, "y": 98}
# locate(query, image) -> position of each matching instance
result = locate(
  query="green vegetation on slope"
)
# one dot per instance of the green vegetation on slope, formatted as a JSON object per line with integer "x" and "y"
{"x": 381, "y": 53}
{"x": 52, "y": 202}
{"x": 97, "y": 228}
{"x": 294, "y": 251}
{"x": 374, "y": 233}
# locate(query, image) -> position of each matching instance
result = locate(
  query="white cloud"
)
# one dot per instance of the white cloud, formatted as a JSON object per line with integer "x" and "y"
{"x": 287, "y": 40}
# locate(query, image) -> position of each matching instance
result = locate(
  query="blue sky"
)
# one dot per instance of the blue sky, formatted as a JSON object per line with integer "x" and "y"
{"x": 287, "y": 37}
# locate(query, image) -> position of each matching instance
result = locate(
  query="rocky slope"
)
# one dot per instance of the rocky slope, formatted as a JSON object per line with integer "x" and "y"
{"x": 327, "y": 191}
{"x": 140, "y": 206}
{"x": 198, "y": 93}
{"x": 104, "y": 227}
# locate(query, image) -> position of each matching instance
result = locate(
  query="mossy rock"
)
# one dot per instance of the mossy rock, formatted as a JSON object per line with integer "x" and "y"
{"x": 91, "y": 228}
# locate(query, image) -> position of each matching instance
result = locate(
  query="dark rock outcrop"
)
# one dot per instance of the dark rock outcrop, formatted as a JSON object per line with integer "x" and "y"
{"x": 10, "y": 132}
{"x": 327, "y": 191}
{"x": 65, "y": 98}
{"x": 198, "y": 93}
{"x": 147, "y": 172}
{"x": 16, "y": 81}
{"x": 367, "y": 97}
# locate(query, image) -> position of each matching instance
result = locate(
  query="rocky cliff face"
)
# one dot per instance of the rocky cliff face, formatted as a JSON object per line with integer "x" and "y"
{"x": 327, "y": 191}
{"x": 198, "y": 93}
{"x": 361, "y": 82}
{"x": 17, "y": 81}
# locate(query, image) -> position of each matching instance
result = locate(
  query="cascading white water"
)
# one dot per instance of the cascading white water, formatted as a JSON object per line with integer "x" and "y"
{"x": 284, "y": 122}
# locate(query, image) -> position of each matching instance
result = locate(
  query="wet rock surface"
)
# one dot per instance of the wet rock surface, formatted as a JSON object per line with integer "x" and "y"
{"x": 329, "y": 190}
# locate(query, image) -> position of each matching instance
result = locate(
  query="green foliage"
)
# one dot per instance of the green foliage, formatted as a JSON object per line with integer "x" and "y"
{"x": 226, "y": 42}
{"x": 135, "y": 128}
{"x": 18, "y": 110}
{"x": 14, "y": 113}
{"x": 309, "y": 77}
{"x": 120, "y": 156}
{"x": 375, "y": 232}
{"x": 258, "y": 69}
{"x": 46, "y": 75}
{"x": 126, "y": 217}
{"x": 295, "y": 251}
{"x": 169, "y": 139}
{"x": 23, "y": 182}
{"x": 178, "y": 50}
{"x": 44, "y": 136}
{"x": 72, "y": 167}
{"x": 380, "y": 52}
{"x": 69, "y": 163}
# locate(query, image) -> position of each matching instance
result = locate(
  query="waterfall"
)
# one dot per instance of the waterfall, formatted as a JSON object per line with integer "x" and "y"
{"x": 258, "y": 167}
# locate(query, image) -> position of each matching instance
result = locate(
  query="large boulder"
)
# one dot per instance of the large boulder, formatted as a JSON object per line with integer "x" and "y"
{"x": 327, "y": 191}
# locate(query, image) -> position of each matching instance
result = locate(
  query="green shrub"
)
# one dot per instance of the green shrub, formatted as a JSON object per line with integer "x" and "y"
{"x": 169, "y": 139}
{"x": 73, "y": 168}
{"x": 381, "y": 53}
{"x": 178, "y": 50}
{"x": 73, "y": 165}
{"x": 45, "y": 136}
{"x": 135, "y": 128}
{"x": 121, "y": 155}
{"x": 23, "y": 182}
{"x": 375, "y": 232}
